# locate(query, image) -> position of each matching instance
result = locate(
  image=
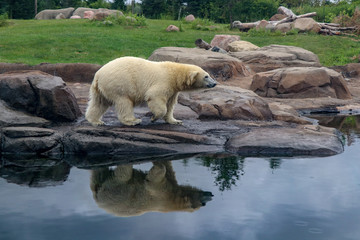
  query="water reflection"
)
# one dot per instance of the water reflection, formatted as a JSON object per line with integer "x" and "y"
{"x": 348, "y": 125}
{"x": 227, "y": 170}
{"x": 125, "y": 191}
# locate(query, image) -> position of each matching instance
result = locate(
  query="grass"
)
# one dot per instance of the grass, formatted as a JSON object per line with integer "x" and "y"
{"x": 69, "y": 41}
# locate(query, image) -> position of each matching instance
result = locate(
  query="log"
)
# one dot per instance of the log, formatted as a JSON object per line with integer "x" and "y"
{"x": 286, "y": 11}
{"x": 202, "y": 44}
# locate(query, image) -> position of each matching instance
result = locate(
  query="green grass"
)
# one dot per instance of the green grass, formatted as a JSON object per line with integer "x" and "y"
{"x": 69, "y": 41}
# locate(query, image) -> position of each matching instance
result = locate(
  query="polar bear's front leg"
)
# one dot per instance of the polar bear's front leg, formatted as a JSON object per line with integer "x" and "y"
{"x": 169, "y": 116}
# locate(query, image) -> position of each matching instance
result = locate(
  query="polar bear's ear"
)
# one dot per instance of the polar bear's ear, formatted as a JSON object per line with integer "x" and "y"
{"x": 192, "y": 77}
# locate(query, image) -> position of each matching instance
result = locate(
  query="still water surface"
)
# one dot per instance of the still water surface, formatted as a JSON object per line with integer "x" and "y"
{"x": 252, "y": 198}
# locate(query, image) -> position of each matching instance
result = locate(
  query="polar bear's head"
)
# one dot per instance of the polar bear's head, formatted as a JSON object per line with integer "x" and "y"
{"x": 200, "y": 79}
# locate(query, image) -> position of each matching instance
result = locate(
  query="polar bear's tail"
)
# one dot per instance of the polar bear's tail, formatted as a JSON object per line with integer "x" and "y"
{"x": 97, "y": 105}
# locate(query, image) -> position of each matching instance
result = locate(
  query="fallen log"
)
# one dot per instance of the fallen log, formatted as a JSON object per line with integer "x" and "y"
{"x": 202, "y": 44}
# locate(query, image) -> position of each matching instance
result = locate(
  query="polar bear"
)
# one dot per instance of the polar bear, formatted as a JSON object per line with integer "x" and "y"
{"x": 129, "y": 81}
{"x": 126, "y": 192}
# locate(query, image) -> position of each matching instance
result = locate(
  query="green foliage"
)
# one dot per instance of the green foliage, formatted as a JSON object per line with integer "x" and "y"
{"x": 4, "y": 20}
{"x": 100, "y": 4}
{"x": 203, "y": 24}
{"x": 129, "y": 20}
{"x": 265, "y": 33}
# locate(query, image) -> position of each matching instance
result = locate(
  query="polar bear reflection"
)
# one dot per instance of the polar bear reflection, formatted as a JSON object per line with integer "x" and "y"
{"x": 125, "y": 191}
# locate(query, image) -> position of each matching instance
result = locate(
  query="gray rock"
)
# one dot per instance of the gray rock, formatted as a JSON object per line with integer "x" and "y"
{"x": 31, "y": 140}
{"x": 300, "y": 82}
{"x": 51, "y": 14}
{"x": 222, "y": 67}
{"x": 304, "y": 140}
{"x": 224, "y": 102}
{"x": 277, "y": 56}
{"x": 9, "y": 117}
{"x": 40, "y": 94}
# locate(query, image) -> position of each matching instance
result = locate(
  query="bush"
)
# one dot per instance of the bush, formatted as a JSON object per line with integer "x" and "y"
{"x": 128, "y": 20}
{"x": 4, "y": 20}
{"x": 203, "y": 24}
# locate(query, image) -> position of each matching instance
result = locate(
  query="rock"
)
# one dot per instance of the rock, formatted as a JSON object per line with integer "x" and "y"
{"x": 133, "y": 143}
{"x": 75, "y": 17}
{"x": 351, "y": 70}
{"x": 306, "y": 25}
{"x": 172, "y": 28}
{"x": 31, "y": 140}
{"x": 69, "y": 72}
{"x": 60, "y": 16}
{"x": 283, "y": 27}
{"x": 262, "y": 24}
{"x": 222, "y": 41}
{"x": 302, "y": 140}
{"x": 286, "y": 113}
{"x": 39, "y": 93}
{"x": 300, "y": 82}
{"x": 238, "y": 46}
{"x": 277, "y": 56}
{"x": 81, "y": 11}
{"x": 220, "y": 66}
{"x": 189, "y": 18}
{"x": 277, "y": 17}
{"x": 51, "y": 14}
{"x": 224, "y": 103}
{"x": 101, "y": 15}
{"x": 9, "y": 117}
{"x": 89, "y": 15}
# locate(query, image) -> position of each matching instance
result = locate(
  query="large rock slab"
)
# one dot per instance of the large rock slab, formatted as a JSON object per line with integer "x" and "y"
{"x": 69, "y": 72}
{"x": 220, "y": 66}
{"x": 51, "y": 13}
{"x": 304, "y": 140}
{"x": 223, "y": 41}
{"x": 306, "y": 25}
{"x": 300, "y": 82}
{"x": 31, "y": 140}
{"x": 225, "y": 103}
{"x": 40, "y": 94}
{"x": 277, "y": 56}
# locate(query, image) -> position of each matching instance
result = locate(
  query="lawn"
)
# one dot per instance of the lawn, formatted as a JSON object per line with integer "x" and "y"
{"x": 69, "y": 41}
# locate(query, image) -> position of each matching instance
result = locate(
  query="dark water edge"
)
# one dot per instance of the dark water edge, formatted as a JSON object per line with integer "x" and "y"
{"x": 252, "y": 198}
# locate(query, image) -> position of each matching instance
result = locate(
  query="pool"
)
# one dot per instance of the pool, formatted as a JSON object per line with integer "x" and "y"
{"x": 212, "y": 197}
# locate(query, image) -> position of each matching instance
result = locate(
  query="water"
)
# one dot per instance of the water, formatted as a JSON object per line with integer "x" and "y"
{"x": 253, "y": 198}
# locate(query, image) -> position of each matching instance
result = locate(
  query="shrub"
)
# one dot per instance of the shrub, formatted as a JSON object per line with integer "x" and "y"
{"x": 4, "y": 20}
{"x": 129, "y": 20}
{"x": 203, "y": 24}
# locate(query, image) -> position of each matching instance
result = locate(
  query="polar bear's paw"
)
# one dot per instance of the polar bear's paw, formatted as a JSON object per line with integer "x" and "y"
{"x": 97, "y": 123}
{"x": 133, "y": 122}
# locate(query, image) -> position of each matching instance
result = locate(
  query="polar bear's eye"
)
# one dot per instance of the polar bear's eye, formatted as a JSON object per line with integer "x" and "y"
{"x": 206, "y": 76}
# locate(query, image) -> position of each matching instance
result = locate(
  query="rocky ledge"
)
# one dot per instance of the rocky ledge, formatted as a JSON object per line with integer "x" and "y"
{"x": 42, "y": 116}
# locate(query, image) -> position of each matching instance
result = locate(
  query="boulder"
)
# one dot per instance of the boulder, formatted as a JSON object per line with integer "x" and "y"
{"x": 224, "y": 103}
{"x": 238, "y": 46}
{"x": 75, "y": 17}
{"x": 221, "y": 66}
{"x": 300, "y": 82}
{"x": 277, "y": 17}
{"x": 306, "y": 25}
{"x": 40, "y": 94}
{"x": 69, "y": 72}
{"x": 286, "y": 113}
{"x": 283, "y": 27}
{"x": 172, "y": 28}
{"x": 31, "y": 140}
{"x": 60, "y": 16}
{"x": 304, "y": 140}
{"x": 277, "y": 56}
{"x": 189, "y": 18}
{"x": 51, "y": 14}
{"x": 222, "y": 41}
{"x": 10, "y": 117}
{"x": 81, "y": 11}
{"x": 89, "y": 15}
{"x": 262, "y": 24}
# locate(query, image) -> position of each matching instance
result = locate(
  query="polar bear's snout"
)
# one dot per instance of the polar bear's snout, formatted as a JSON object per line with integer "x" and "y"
{"x": 210, "y": 82}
